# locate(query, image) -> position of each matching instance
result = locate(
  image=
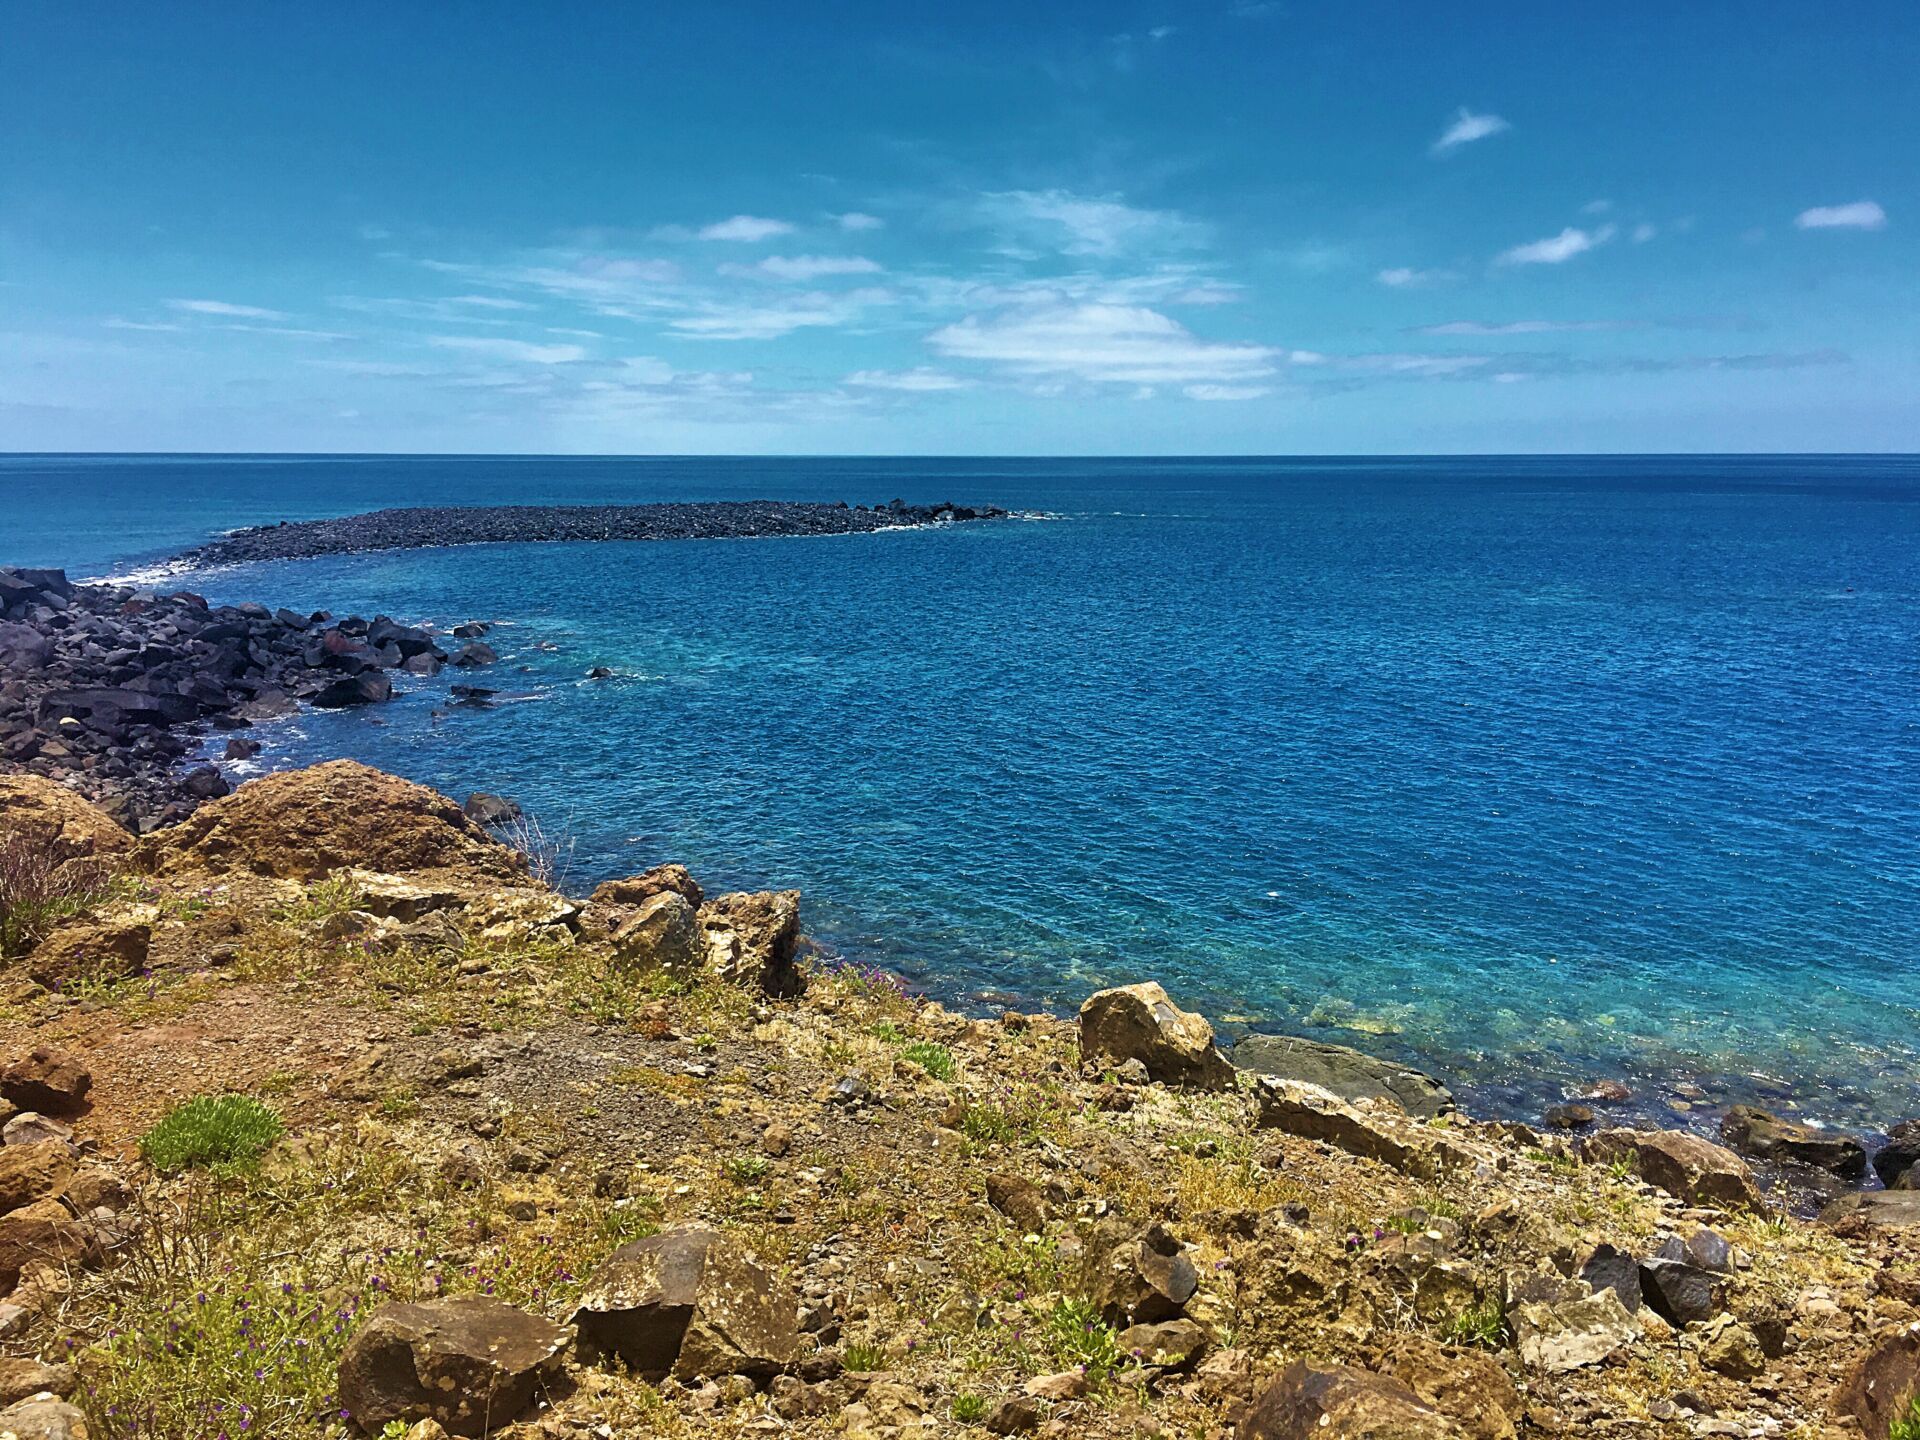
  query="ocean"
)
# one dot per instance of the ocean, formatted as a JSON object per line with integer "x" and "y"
{"x": 1528, "y": 770}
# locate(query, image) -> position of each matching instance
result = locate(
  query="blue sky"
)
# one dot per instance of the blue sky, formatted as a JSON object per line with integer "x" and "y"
{"x": 1229, "y": 227}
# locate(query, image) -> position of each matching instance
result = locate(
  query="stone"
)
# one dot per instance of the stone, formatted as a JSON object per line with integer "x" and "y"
{"x": 1707, "y": 1249}
{"x": 21, "y": 1378}
{"x": 369, "y": 687}
{"x": 1607, "y": 1267}
{"x": 1692, "y": 1170}
{"x": 688, "y": 1302}
{"x": 1145, "y": 1279}
{"x": 1571, "y": 1116}
{"x": 31, "y": 1128}
{"x": 1315, "y": 1114}
{"x": 95, "y": 1188}
{"x": 1900, "y": 1154}
{"x": 1139, "y": 1022}
{"x": 1020, "y": 1200}
{"x": 636, "y": 888}
{"x": 1874, "y": 1210}
{"x": 1882, "y": 1383}
{"x": 48, "y": 1079}
{"x": 662, "y": 933}
{"x": 90, "y": 950}
{"x": 470, "y": 1364}
{"x": 1013, "y": 1415}
{"x": 490, "y": 810}
{"x": 55, "y": 822}
{"x": 1348, "y": 1073}
{"x": 396, "y": 897}
{"x": 1468, "y": 1386}
{"x": 752, "y": 939}
{"x": 1342, "y": 1403}
{"x": 1063, "y": 1385}
{"x": 1572, "y": 1334}
{"x": 1734, "y": 1351}
{"x": 1755, "y": 1132}
{"x": 474, "y": 654}
{"x": 1164, "y": 1345}
{"x": 43, "y": 1418}
{"x": 306, "y": 824}
{"x": 1680, "y": 1293}
{"x": 33, "y": 1172}
{"x": 44, "y": 1233}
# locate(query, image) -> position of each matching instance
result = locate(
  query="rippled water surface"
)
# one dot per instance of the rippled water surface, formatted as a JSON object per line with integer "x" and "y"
{"x": 1528, "y": 769}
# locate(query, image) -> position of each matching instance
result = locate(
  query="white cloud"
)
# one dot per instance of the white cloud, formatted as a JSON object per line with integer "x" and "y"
{"x": 922, "y": 378}
{"x": 1522, "y": 327}
{"x": 858, "y": 220}
{"x": 1106, "y": 344}
{"x": 1596, "y": 207}
{"x": 1860, "y": 215}
{"x": 1556, "y": 248}
{"x": 231, "y": 312}
{"x": 769, "y": 322}
{"x": 524, "y": 351}
{"x": 1643, "y": 232}
{"x": 809, "y": 267}
{"x": 1402, "y": 277}
{"x": 1089, "y": 225}
{"x": 1466, "y": 128}
{"x": 1226, "y": 392}
{"x": 489, "y": 302}
{"x": 746, "y": 229}
{"x": 116, "y": 323}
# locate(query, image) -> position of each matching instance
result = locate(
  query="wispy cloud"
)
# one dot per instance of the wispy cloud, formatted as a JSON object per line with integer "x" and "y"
{"x": 1226, "y": 392}
{"x": 807, "y": 267}
{"x": 489, "y": 302}
{"x": 226, "y": 309}
{"x": 1556, "y": 249}
{"x": 722, "y": 321}
{"x": 1402, "y": 277}
{"x": 860, "y": 220}
{"x": 1524, "y": 327}
{"x": 1860, "y": 215}
{"x": 1102, "y": 225}
{"x": 747, "y": 229}
{"x": 1105, "y": 344}
{"x": 1466, "y": 128}
{"x": 523, "y": 351}
{"x": 1643, "y": 232}
{"x": 116, "y": 323}
{"x": 922, "y": 378}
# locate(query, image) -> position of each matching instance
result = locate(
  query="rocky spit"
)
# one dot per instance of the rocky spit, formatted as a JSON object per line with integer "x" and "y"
{"x": 109, "y": 689}
{"x": 420, "y": 528}
{"x": 500, "y": 1160}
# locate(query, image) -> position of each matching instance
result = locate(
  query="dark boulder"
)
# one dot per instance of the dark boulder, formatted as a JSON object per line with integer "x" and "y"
{"x": 1755, "y": 1132}
{"x": 1900, "y": 1154}
{"x": 369, "y": 688}
{"x": 486, "y": 809}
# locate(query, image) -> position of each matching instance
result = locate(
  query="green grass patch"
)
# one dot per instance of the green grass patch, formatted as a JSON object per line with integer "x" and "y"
{"x": 969, "y": 1409}
{"x": 936, "y": 1060}
{"x": 1480, "y": 1324}
{"x": 214, "y": 1130}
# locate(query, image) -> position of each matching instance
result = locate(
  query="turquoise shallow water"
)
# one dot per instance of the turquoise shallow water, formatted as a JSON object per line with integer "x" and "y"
{"x": 1531, "y": 770}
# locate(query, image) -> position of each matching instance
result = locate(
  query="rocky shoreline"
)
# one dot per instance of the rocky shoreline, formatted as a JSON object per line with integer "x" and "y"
{"x": 110, "y": 689}
{"x": 334, "y": 1119}
{"x": 425, "y": 527}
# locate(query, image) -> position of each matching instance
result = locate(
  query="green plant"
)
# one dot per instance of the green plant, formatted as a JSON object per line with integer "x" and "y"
{"x": 1078, "y": 1336}
{"x": 864, "y": 1359}
{"x": 211, "y": 1130}
{"x": 888, "y": 1031}
{"x": 323, "y": 899}
{"x": 936, "y": 1060}
{"x": 969, "y": 1409}
{"x": 1907, "y": 1426}
{"x": 1481, "y": 1323}
{"x": 745, "y": 1169}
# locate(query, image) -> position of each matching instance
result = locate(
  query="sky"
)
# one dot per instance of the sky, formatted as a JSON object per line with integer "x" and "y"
{"x": 1233, "y": 227}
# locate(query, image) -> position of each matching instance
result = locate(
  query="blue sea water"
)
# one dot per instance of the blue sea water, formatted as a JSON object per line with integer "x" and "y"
{"x": 1531, "y": 770}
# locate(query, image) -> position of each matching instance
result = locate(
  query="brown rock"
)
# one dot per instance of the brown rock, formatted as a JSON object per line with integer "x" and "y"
{"x": 1882, "y": 1383}
{"x": 21, "y": 1378}
{"x": 1342, "y": 1403}
{"x": 1013, "y": 1415}
{"x": 1753, "y": 1131}
{"x": 1570, "y": 1334}
{"x": 47, "y": 1079}
{"x": 44, "y": 1232}
{"x": 660, "y": 934}
{"x": 305, "y": 824}
{"x": 56, "y": 822}
{"x": 689, "y": 1303}
{"x": 93, "y": 1188}
{"x": 1145, "y": 1278}
{"x": 1693, "y": 1170}
{"x": 33, "y": 1172}
{"x": 1468, "y": 1386}
{"x": 1734, "y": 1351}
{"x": 30, "y": 1127}
{"x": 91, "y": 950}
{"x": 1315, "y": 1114}
{"x": 1166, "y": 1345}
{"x": 43, "y": 1420}
{"x": 1139, "y": 1022}
{"x": 1020, "y": 1200}
{"x": 751, "y": 939}
{"x": 473, "y": 1365}
{"x": 661, "y": 879}
{"x": 1865, "y": 1210}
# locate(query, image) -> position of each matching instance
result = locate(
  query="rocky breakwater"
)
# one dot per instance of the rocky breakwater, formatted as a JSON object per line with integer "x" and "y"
{"x": 470, "y": 1156}
{"x": 422, "y": 527}
{"x": 110, "y": 689}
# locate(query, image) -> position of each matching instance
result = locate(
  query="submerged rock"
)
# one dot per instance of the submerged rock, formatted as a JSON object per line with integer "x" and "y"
{"x": 1755, "y": 1132}
{"x": 1139, "y": 1022}
{"x": 1348, "y": 1073}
